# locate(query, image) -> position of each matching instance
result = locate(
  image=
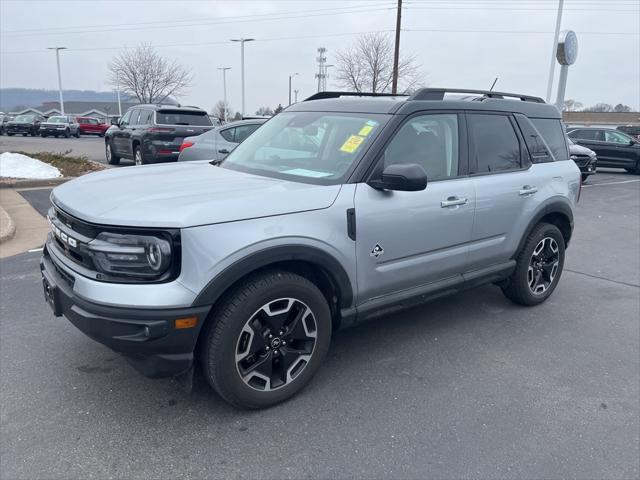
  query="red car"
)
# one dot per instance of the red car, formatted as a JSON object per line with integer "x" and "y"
{"x": 92, "y": 126}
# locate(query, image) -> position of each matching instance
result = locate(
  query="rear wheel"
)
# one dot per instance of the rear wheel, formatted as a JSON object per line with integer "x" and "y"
{"x": 112, "y": 158}
{"x": 267, "y": 339}
{"x": 67, "y": 133}
{"x": 538, "y": 266}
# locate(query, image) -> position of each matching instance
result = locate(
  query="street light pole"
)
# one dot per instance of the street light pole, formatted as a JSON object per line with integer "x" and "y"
{"x": 118, "y": 94}
{"x": 290, "y": 76}
{"x": 57, "y": 49}
{"x": 224, "y": 86}
{"x": 552, "y": 64}
{"x": 242, "y": 41}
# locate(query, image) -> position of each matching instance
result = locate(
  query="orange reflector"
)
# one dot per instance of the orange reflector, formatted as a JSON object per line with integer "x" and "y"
{"x": 188, "y": 322}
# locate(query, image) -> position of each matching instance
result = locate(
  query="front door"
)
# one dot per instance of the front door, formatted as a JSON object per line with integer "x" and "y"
{"x": 410, "y": 239}
{"x": 121, "y": 134}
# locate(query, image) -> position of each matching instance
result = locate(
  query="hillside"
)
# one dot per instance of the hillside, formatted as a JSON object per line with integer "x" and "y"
{"x": 12, "y": 99}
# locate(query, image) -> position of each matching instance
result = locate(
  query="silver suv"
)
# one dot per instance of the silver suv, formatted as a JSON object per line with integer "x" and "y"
{"x": 342, "y": 208}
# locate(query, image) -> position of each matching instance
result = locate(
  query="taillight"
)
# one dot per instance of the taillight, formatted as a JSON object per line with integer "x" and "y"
{"x": 160, "y": 130}
{"x": 186, "y": 145}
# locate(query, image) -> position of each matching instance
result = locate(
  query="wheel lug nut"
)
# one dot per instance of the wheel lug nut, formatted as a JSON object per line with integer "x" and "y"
{"x": 270, "y": 336}
{"x": 276, "y": 353}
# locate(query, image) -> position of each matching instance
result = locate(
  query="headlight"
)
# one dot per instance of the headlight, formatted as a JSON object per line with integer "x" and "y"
{"x": 129, "y": 255}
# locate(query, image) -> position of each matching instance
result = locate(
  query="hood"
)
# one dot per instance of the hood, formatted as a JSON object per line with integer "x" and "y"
{"x": 575, "y": 149}
{"x": 179, "y": 195}
{"x": 19, "y": 122}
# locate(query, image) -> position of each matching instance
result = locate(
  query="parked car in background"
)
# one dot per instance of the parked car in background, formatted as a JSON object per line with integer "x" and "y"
{"x": 60, "y": 126}
{"x": 4, "y": 118}
{"x": 218, "y": 143}
{"x": 28, "y": 124}
{"x": 613, "y": 148}
{"x": 631, "y": 130}
{"x": 153, "y": 133}
{"x": 585, "y": 158}
{"x": 92, "y": 126}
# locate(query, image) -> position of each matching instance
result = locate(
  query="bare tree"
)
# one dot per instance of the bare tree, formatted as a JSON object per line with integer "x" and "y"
{"x": 218, "y": 110}
{"x": 600, "y": 107}
{"x": 264, "y": 112}
{"x": 367, "y": 66}
{"x": 621, "y": 108}
{"x": 571, "y": 105}
{"x": 145, "y": 74}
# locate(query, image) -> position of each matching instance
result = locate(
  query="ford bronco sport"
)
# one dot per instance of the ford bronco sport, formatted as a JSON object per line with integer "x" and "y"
{"x": 341, "y": 208}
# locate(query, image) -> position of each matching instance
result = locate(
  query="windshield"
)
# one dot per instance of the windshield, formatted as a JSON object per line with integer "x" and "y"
{"x": 24, "y": 118}
{"x": 312, "y": 147}
{"x": 178, "y": 117}
{"x": 57, "y": 120}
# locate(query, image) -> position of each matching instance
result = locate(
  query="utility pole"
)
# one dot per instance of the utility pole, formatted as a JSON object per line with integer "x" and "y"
{"x": 396, "y": 52}
{"x": 57, "y": 49}
{"x": 290, "y": 76}
{"x": 322, "y": 60}
{"x": 224, "y": 87}
{"x": 118, "y": 94}
{"x": 552, "y": 64}
{"x": 242, "y": 42}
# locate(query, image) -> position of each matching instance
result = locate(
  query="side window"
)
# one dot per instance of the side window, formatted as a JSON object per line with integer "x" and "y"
{"x": 124, "y": 121}
{"x": 135, "y": 114}
{"x": 243, "y": 131}
{"x": 615, "y": 137}
{"x": 145, "y": 117}
{"x": 430, "y": 141}
{"x": 553, "y": 134}
{"x": 587, "y": 135}
{"x": 495, "y": 145}
{"x": 228, "y": 134}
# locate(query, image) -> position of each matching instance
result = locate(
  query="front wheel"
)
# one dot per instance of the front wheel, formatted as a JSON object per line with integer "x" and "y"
{"x": 266, "y": 339}
{"x": 137, "y": 155}
{"x": 67, "y": 133}
{"x": 538, "y": 266}
{"x": 112, "y": 158}
{"x": 585, "y": 177}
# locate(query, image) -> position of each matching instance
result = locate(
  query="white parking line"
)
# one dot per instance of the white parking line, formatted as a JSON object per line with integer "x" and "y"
{"x": 35, "y": 250}
{"x": 609, "y": 183}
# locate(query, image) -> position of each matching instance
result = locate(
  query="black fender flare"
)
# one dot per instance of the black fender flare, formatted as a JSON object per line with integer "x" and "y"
{"x": 554, "y": 205}
{"x": 272, "y": 255}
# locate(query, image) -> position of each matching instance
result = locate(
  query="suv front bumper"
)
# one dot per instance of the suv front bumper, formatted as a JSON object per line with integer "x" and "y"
{"x": 146, "y": 337}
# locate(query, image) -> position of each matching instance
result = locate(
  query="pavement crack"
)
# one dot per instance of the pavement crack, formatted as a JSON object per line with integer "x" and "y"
{"x": 603, "y": 278}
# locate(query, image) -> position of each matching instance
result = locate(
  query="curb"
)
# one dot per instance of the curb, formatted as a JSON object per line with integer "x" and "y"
{"x": 7, "y": 227}
{"x": 29, "y": 183}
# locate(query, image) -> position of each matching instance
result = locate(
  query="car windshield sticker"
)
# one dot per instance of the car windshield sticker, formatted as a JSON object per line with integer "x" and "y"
{"x": 366, "y": 130}
{"x": 303, "y": 172}
{"x": 352, "y": 144}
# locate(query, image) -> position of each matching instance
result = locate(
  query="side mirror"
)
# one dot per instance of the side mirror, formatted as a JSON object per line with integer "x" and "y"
{"x": 409, "y": 177}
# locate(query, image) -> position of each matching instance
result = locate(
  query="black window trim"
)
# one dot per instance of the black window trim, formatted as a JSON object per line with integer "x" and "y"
{"x": 525, "y": 161}
{"x": 233, "y": 135}
{"x": 463, "y": 144}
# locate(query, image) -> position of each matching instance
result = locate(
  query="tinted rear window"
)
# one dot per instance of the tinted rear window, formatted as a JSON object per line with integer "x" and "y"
{"x": 496, "y": 145}
{"x": 177, "y": 117}
{"x": 553, "y": 134}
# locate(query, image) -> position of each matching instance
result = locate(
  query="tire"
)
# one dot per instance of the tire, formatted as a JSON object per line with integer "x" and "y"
{"x": 524, "y": 287}
{"x": 228, "y": 332}
{"x": 34, "y": 133}
{"x": 112, "y": 158}
{"x": 137, "y": 156}
{"x": 77, "y": 135}
{"x": 25, "y": 134}
{"x": 43, "y": 135}
{"x": 10, "y": 134}
{"x": 67, "y": 133}
{"x": 585, "y": 177}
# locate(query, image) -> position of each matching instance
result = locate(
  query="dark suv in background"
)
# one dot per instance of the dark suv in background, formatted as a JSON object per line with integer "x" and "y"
{"x": 153, "y": 133}
{"x": 614, "y": 148}
{"x": 28, "y": 124}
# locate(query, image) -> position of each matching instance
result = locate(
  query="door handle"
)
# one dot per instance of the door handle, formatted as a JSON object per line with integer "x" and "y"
{"x": 527, "y": 190}
{"x": 224, "y": 150}
{"x": 453, "y": 202}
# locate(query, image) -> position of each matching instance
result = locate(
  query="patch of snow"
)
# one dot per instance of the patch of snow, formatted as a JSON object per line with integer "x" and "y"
{"x": 16, "y": 165}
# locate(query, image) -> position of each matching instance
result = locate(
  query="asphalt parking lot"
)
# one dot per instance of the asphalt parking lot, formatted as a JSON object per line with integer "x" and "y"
{"x": 470, "y": 386}
{"x": 91, "y": 146}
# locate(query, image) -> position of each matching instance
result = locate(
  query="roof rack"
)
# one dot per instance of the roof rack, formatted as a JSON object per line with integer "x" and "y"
{"x": 438, "y": 94}
{"x": 325, "y": 95}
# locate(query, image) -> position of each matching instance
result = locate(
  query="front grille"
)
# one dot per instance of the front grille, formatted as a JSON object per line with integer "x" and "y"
{"x": 71, "y": 237}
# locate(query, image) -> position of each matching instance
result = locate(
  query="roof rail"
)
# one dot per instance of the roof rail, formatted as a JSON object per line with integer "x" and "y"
{"x": 438, "y": 94}
{"x": 324, "y": 95}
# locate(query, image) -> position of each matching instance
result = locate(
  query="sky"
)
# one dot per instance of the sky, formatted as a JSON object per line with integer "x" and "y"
{"x": 461, "y": 43}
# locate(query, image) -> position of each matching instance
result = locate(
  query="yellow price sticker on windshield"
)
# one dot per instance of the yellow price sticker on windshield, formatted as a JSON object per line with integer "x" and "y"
{"x": 352, "y": 144}
{"x": 366, "y": 130}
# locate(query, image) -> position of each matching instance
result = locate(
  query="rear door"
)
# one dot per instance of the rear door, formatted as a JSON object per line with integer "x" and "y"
{"x": 620, "y": 149}
{"x": 410, "y": 239}
{"x": 225, "y": 142}
{"x": 506, "y": 187}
